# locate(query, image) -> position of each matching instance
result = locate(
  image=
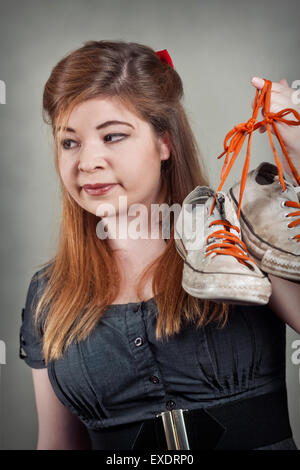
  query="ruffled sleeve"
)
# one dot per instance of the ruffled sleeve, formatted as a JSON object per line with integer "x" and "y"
{"x": 30, "y": 343}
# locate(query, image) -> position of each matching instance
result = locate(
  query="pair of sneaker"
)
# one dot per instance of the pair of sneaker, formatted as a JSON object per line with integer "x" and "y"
{"x": 226, "y": 258}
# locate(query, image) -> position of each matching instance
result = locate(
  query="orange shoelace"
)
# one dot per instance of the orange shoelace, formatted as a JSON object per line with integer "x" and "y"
{"x": 294, "y": 214}
{"x": 239, "y": 133}
{"x": 237, "y": 137}
{"x": 230, "y": 244}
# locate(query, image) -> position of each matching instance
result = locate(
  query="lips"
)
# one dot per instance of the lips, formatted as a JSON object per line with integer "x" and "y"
{"x": 99, "y": 189}
{"x": 97, "y": 185}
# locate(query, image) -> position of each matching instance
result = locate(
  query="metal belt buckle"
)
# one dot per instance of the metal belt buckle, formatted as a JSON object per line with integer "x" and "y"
{"x": 175, "y": 429}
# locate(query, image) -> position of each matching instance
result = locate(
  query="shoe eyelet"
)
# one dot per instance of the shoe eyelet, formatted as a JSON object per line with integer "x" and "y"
{"x": 282, "y": 203}
{"x": 292, "y": 238}
{"x": 289, "y": 228}
{"x": 286, "y": 214}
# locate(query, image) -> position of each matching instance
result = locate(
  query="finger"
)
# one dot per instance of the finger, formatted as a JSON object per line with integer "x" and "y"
{"x": 277, "y": 87}
{"x": 280, "y": 86}
{"x": 258, "y": 82}
{"x": 284, "y": 82}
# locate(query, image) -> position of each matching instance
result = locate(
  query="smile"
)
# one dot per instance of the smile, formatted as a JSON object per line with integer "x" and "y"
{"x": 99, "y": 191}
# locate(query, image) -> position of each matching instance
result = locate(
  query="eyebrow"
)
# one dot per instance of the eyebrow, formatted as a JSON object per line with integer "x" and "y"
{"x": 104, "y": 124}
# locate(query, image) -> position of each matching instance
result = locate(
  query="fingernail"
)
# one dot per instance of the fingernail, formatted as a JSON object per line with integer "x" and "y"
{"x": 258, "y": 81}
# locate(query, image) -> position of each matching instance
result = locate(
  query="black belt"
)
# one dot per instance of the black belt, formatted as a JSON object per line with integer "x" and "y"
{"x": 240, "y": 424}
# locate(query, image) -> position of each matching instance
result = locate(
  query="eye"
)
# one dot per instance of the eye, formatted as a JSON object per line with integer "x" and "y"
{"x": 112, "y": 135}
{"x": 65, "y": 141}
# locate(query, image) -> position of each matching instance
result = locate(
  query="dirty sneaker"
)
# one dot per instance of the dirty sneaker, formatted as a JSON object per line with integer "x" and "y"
{"x": 216, "y": 264}
{"x": 270, "y": 221}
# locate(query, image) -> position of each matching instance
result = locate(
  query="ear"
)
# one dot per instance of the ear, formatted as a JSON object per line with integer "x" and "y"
{"x": 165, "y": 146}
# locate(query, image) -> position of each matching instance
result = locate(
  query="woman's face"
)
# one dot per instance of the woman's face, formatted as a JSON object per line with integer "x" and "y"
{"x": 96, "y": 151}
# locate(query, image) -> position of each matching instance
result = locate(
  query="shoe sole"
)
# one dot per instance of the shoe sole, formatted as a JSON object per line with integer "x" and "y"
{"x": 268, "y": 258}
{"x": 257, "y": 292}
{"x": 227, "y": 288}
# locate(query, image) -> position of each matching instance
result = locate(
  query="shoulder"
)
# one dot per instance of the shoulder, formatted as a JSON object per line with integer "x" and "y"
{"x": 40, "y": 279}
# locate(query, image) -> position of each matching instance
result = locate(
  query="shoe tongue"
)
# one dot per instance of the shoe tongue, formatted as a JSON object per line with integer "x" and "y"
{"x": 199, "y": 195}
{"x": 226, "y": 209}
{"x": 223, "y": 210}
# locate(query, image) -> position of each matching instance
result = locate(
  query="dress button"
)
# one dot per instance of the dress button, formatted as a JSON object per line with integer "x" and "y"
{"x": 154, "y": 379}
{"x": 170, "y": 404}
{"x": 138, "y": 341}
{"x": 135, "y": 309}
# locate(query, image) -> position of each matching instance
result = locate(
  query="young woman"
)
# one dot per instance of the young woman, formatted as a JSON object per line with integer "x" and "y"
{"x": 112, "y": 338}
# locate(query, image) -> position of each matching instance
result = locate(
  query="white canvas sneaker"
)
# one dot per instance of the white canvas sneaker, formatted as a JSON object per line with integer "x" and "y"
{"x": 216, "y": 264}
{"x": 270, "y": 221}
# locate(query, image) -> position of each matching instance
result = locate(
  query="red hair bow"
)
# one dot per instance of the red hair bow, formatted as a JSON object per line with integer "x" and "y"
{"x": 165, "y": 57}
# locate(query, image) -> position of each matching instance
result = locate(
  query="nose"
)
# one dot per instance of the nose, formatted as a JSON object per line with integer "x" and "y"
{"x": 92, "y": 157}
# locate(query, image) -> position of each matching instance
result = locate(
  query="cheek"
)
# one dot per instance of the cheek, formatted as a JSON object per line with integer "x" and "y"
{"x": 142, "y": 169}
{"x": 67, "y": 174}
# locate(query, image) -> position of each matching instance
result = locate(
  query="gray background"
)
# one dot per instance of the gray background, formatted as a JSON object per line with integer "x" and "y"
{"x": 216, "y": 47}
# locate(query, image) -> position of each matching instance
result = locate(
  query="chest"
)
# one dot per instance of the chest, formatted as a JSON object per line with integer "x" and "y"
{"x": 131, "y": 272}
{"x": 128, "y": 291}
{"x": 122, "y": 372}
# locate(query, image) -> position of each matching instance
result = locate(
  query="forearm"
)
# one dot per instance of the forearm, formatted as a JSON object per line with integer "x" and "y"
{"x": 285, "y": 300}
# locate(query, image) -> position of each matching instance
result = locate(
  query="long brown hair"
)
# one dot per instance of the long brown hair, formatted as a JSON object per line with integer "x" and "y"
{"x": 82, "y": 276}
